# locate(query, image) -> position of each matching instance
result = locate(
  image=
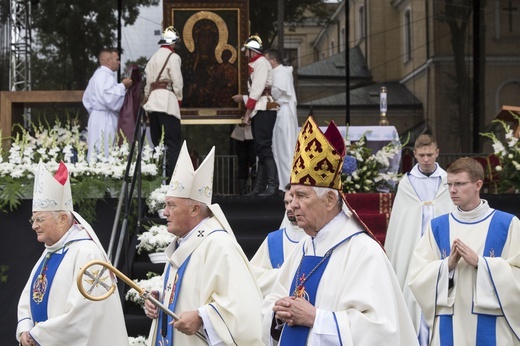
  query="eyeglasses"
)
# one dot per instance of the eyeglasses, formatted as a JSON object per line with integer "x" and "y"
{"x": 457, "y": 184}
{"x": 38, "y": 220}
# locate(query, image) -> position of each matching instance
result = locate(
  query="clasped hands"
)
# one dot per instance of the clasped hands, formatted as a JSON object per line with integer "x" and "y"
{"x": 295, "y": 311}
{"x": 189, "y": 322}
{"x": 460, "y": 250}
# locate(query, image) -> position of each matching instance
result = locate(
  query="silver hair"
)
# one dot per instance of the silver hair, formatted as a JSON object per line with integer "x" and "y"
{"x": 322, "y": 191}
{"x": 70, "y": 217}
{"x": 203, "y": 207}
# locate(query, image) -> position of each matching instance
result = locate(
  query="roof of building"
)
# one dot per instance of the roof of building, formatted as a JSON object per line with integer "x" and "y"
{"x": 335, "y": 66}
{"x": 368, "y": 96}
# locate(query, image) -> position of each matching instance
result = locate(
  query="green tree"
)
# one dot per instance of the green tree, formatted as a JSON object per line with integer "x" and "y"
{"x": 263, "y": 15}
{"x": 70, "y": 34}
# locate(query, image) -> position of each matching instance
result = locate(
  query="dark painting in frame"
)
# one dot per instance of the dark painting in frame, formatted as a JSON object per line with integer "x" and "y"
{"x": 213, "y": 67}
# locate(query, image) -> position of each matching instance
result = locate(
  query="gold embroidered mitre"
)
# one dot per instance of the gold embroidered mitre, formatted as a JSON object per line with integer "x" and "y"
{"x": 318, "y": 156}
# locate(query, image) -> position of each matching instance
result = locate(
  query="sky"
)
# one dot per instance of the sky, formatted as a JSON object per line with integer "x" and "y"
{"x": 141, "y": 38}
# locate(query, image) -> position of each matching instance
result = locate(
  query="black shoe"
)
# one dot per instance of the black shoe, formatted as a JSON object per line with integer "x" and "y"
{"x": 269, "y": 192}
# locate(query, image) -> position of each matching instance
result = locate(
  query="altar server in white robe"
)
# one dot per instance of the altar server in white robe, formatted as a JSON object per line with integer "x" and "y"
{"x": 421, "y": 196}
{"x": 465, "y": 270}
{"x": 339, "y": 288}
{"x": 103, "y": 99}
{"x": 51, "y": 310}
{"x": 285, "y": 130}
{"x": 276, "y": 247}
{"x": 208, "y": 282}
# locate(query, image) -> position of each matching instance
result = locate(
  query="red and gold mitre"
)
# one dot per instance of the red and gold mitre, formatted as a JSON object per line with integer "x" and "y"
{"x": 318, "y": 156}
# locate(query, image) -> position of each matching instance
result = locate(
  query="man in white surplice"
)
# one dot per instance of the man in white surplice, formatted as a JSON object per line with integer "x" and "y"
{"x": 465, "y": 272}
{"x": 207, "y": 281}
{"x": 285, "y": 130}
{"x": 103, "y": 99}
{"x": 421, "y": 196}
{"x": 338, "y": 287}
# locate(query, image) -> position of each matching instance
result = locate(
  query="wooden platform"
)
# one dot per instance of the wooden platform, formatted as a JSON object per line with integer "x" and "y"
{"x": 13, "y": 100}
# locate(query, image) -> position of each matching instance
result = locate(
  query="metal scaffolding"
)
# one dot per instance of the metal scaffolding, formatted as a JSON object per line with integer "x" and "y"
{"x": 20, "y": 45}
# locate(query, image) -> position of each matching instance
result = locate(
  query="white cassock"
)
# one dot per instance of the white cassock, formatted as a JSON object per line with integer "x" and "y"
{"x": 478, "y": 296}
{"x": 218, "y": 282}
{"x": 103, "y": 100}
{"x": 285, "y": 132}
{"x": 419, "y": 198}
{"x": 73, "y": 319}
{"x": 358, "y": 299}
{"x": 262, "y": 261}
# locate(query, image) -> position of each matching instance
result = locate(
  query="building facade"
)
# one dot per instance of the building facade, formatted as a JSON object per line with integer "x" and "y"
{"x": 431, "y": 49}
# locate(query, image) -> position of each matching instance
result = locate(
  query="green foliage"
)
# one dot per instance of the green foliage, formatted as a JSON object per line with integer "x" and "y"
{"x": 140, "y": 62}
{"x": 3, "y": 273}
{"x": 263, "y": 14}
{"x": 71, "y": 33}
{"x": 11, "y": 193}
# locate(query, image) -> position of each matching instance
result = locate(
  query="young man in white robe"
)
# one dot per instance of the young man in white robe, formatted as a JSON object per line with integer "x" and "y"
{"x": 465, "y": 271}
{"x": 51, "y": 310}
{"x": 338, "y": 288}
{"x": 421, "y": 196}
{"x": 276, "y": 247}
{"x": 207, "y": 281}
{"x": 285, "y": 132}
{"x": 103, "y": 99}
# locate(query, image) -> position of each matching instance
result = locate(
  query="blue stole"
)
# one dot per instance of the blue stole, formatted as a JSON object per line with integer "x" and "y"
{"x": 41, "y": 285}
{"x": 315, "y": 266}
{"x": 275, "y": 245}
{"x": 165, "y": 330}
{"x": 495, "y": 240}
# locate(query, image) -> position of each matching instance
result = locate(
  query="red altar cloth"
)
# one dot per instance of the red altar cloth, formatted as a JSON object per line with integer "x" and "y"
{"x": 374, "y": 210}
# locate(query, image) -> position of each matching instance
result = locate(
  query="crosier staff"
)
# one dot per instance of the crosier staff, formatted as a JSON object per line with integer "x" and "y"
{"x": 95, "y": 278}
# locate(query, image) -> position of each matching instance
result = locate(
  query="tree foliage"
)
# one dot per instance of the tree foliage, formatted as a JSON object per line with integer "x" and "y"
{"x": 264, "y": 14}
{"x": 70, "y": 35}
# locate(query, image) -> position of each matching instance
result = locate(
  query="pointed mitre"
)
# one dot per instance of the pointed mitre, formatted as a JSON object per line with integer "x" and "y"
{"x": 196, "y": 185}
{"x": 318, "y": 156}
{"x": 52, "y": 193}
{"x": 188, "y": 183}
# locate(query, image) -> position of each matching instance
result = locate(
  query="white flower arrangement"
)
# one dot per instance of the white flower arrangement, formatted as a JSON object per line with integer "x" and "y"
{"x": 366, "y": 172}
{"x": 508, "y": 152}
{"x": 156, "y": 239}
{"x": 64, "y": 142}
{"x": 138, "y": 341}
{"x": 156, "y": 200}
{"x": 154, "y": 282}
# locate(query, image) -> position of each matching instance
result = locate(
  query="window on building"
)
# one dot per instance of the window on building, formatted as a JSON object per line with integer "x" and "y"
{"x": 343, "y": 41}
{"x": 407, "y": 36}
{"x": 331, "y": 48}
{"x": 361, "y": 24}
{"x": 291, "y": 57}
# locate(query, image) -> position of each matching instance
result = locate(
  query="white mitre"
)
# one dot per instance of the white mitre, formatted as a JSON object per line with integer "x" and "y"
{"x": 196, "y": 184}
{"x": 52, "y": 193}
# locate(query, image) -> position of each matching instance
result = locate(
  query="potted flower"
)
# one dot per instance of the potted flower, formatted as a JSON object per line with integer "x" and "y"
{"x": 156, "y": 200}
{"x": 137, "y": 341}
{"x": 153, "y": 282}
{"x": 508, "y": 152}
{"x": 154, "y": 241}
{"x": 364, "y": 172}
